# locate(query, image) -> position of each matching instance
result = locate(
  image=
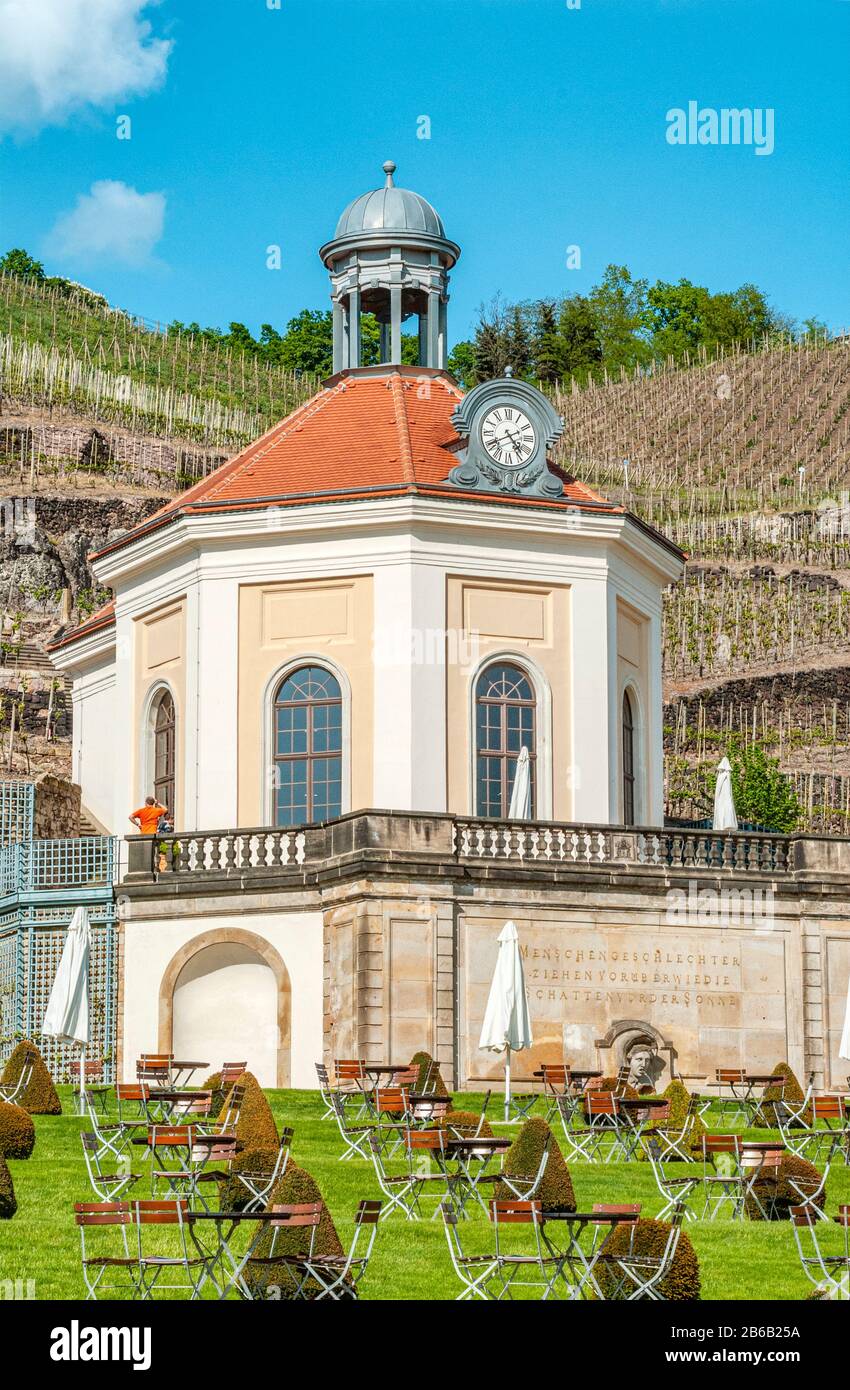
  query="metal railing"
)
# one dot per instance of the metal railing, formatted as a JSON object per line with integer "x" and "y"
{"x": 17, "y": 811}
{"x": 71, "y": 869}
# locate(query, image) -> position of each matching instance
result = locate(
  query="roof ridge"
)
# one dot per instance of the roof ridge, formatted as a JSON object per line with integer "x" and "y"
{"x": 402, "y": 427}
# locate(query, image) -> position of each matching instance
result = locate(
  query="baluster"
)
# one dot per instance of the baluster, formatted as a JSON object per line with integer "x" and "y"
{"x": 229, "y": 842}
{"x": 300, "y": 850}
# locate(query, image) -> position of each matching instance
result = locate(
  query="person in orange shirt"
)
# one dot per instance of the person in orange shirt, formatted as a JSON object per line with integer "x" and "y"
{"x": 147, "y": 818}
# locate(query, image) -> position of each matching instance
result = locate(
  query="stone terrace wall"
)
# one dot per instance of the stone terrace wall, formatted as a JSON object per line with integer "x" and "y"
{"x": 57, "y": 809}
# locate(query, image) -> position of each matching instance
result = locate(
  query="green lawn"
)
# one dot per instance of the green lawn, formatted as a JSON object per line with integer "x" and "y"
{"x": 738, "y": 1260}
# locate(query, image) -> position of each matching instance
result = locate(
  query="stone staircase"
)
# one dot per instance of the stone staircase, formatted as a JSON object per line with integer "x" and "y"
{"x": 30, "y": 658}
{"x": 89, "y": 824}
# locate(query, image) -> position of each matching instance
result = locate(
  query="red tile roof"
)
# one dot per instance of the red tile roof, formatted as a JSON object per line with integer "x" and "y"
{"x": 103, "y": 617}
{"x": 373, "y": 431}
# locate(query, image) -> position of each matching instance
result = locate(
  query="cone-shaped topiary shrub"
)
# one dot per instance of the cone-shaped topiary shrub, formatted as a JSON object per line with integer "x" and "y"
{"x": 681, "y": 1284}
{"x": 523, "y": 1160}
{"x": 679, "y": 1097}
{"x": 17, "y": 1131}
{"x": 777, "y": 1198}
{"x": 257, "y": 1131}
{"x": 429, "y": 1075}
{"x": 295, "y": 1188}
{"x": 793, "y": 1093}
{"x": 610, "y": 1083}
{"x": 213, "y": 1083}
{"x": 8, "y": 1204}
{"x": 39, "y": 1097}
{"x": 465, "y": 1123}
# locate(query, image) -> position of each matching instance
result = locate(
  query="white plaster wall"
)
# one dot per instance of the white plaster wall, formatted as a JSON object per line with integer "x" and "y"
{"x": 225, "y": 1010}
{"x": 150, "y": 944}
{"x": 409, "y": 548}
{"x": 94, "y": 747}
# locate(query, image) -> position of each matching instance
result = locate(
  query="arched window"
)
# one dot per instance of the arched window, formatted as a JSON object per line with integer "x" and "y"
{"x": 505, "y": 720}
{"x": 628, "y": 761}
{"x": 164, "y": 749}
{"x": 307, "y": 747}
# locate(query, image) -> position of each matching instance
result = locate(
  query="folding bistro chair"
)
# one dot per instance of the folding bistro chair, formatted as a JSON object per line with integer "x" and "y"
{"x": 557, "y": 1086}
{"x": 676, "y": 1138}
{"x": 105, "y": 1248}
{"x": 228, "y": 1119}
{"x": 231, "y": 1072}
{"x": 456, "y": 1133}
{"x": 674, "y": 1188}
{"x": 473, "y": 1271}
{"x": 527, "y": 1185}
{"x": 724, "y": 1184}
{"x": 192, "y": 1161}
{"x": 268, "y": 1269}
{"x": 404, "y": 1190}
{"x": 352, "y": 1081}
{"x": 584, "y": 1142}
{"x": 354, "y": 1136}
{"x": 173, "y": 1213}
{"x": 339, "y": 1275}
{"x": 735, "y": 1080}
{"x": 115, "y": 1135}
{"x": 604, "y": 1119}
{"x": 761, "y": 1168}
{"x": 261, "y": 1185}
{"x": 830, "y": 1272}
{"x": 96, "y": 1091}
{"x": 13, "y": 1089}
{"x": 510, "y": 1267}
{"x": 640, "y": 1275}
{"x": 392, "y": 1115}
{"x": 108, "y": 1186}
{"x": 325, "y": 1090}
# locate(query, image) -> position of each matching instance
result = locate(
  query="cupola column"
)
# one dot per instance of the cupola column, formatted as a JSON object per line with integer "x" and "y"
{"x": 338, "y": 335}
{"x": 433, "y": 359}
{"x": 353, "y": 328}
{"x": 395, "y": 323}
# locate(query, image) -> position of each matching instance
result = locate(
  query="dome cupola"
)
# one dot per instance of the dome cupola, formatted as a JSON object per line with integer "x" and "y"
{"x": 390, "y": 257}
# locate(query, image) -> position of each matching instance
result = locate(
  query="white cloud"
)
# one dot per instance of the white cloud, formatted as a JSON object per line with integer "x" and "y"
{"x": 57, "y": 56}
{"x": 112, "y": 222}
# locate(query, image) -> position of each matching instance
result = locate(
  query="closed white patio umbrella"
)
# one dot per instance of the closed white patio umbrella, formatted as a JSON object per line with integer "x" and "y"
{"x": 844, "y": 1048}
{"x": 66, "y": 1017}
{"x": 520, "y": 807}
{"x": 725, "y": 817}
{"x": 507, "y": 1024}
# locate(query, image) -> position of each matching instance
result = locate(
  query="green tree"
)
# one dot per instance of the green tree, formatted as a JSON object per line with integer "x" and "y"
{"x": 548, "y": 349}
{"x": 307, "y": 344}
{"x": 19, "y": 262}
{"x": 579, "y": 341}
{"x": 677, "y": 317}
{"x": 492, "y": 340}
{"x": 462, "y": 363}
{"x": 763, "y": 795}
{"x": 519, "y": 343}
{"x": 620, "y": 313}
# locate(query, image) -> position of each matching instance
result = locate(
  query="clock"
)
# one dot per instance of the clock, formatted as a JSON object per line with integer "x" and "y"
{"x": 506, "y": 429}
{"x": 508, "y": 436}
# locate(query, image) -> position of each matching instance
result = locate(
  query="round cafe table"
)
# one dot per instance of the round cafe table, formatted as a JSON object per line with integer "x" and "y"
{"x": 570, "y": 1226}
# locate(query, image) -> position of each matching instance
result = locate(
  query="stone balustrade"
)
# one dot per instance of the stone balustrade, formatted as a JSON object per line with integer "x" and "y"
{"x": 383, "y": 835}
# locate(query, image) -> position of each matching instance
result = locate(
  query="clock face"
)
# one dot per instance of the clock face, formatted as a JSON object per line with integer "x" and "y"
{"x": 508, "y": 436}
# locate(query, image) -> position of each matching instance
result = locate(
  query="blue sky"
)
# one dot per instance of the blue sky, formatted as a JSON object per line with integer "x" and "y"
{"x": 254, "y": 126}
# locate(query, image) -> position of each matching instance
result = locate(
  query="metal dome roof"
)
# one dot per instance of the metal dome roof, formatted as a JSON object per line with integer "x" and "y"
{"x": 389, "y": 209}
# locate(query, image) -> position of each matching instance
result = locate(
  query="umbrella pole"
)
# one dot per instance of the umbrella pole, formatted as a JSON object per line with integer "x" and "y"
{"x": 83, "y": 1081}
{"x": 507, "y": 1085}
